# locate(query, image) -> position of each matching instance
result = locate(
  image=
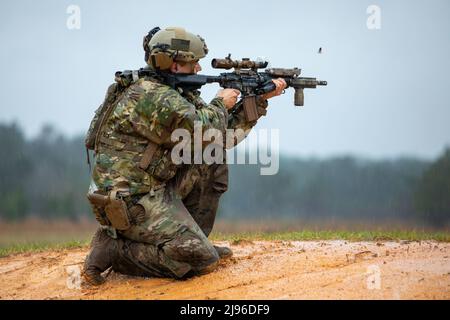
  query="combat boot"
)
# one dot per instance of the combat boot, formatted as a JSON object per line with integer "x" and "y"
{"x": 208, "y": 269}
{"x": 224, "y": 252}
{"x": 100, "y": 257}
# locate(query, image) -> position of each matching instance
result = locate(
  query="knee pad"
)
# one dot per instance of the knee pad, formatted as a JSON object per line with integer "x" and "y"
{"x": 191, "y": 248}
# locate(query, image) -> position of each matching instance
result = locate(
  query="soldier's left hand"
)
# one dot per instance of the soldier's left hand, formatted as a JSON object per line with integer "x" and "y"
{"x": 280, "y": 85}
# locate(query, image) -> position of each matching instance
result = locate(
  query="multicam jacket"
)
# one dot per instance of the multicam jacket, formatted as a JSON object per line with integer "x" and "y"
{"x": 149, "y": 110}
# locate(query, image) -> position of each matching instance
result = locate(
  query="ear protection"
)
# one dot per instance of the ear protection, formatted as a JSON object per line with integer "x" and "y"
{"x": 160, "y": 60}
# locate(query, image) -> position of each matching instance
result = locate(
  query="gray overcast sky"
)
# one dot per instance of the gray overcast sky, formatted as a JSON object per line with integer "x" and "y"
{"x": 387, "y": 96}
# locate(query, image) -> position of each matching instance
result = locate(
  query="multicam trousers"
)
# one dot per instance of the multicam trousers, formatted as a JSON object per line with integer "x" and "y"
{"x": 170, "y": 226}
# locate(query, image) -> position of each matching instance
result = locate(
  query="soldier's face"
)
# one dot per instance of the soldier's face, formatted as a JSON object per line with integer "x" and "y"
{"x": 190, "y": 67}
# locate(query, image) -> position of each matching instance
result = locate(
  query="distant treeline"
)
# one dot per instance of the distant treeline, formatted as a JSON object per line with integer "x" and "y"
{"x": 48, "y": 177}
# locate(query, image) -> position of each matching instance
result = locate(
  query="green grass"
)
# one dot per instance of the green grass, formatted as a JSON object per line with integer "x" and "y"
{"x": 335, "y": 235}
{"x": 39, "y": 247}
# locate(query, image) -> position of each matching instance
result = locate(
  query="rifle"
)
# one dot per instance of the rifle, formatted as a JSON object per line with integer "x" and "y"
{"x": 244, "y": 78}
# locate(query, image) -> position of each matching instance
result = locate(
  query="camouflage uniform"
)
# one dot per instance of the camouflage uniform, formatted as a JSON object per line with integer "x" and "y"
{"x": 171, "y": 207}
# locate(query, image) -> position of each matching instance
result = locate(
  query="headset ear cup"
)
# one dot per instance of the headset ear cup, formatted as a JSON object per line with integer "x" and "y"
{"x": 160, "y": 61}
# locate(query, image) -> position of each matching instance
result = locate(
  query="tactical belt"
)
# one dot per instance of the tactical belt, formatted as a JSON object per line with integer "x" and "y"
{"x": 112, "y": 207}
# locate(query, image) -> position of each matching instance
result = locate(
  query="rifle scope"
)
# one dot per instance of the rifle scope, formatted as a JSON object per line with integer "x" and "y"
{"x": 245, "y": 63}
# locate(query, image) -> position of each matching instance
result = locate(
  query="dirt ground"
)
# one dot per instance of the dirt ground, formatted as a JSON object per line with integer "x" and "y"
{"x": 258, "y": 270}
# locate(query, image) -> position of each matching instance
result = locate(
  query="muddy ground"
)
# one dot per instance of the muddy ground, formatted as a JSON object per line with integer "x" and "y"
{"x": 258, "y": 270}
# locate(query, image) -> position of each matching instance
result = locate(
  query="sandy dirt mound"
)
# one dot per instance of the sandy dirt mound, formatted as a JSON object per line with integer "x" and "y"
{"x": 258, "y": 270}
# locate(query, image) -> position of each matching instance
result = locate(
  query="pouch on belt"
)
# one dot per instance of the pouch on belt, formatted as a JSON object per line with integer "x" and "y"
{"x": 115, "y": 209}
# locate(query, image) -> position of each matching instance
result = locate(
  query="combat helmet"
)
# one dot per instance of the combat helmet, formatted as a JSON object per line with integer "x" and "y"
{"x": 163, "y": 47}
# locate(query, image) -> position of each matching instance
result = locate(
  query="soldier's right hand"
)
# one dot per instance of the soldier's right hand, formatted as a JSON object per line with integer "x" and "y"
{"x": 229, "y": 97}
